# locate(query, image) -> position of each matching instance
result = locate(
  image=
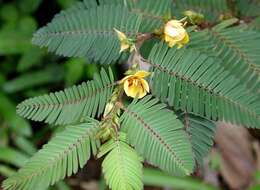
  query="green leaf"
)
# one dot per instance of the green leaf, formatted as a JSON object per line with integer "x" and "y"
{"x": 224, "y": 43}
{"x": 153, "y": 13}
{"x": 13, "y": 42}
{"x": 29, "y": 6}
{"x": 158, "y": 136}
{"x": 211, "y": 9}
{"x": 51, "y": 74}
{"x": 30, "y": 58}
{"x": 61, "y": 157}
{"x": 248, "y": 7}
{"x": 122, "y": 167}
{"x": 17, "y": 124}
{"x": 6, "y": 171}
{"x": 255, "y": 24}
{"x": 201, "y": 132}
{"x": 197, "y": 83}
{"x": 66, "y": 3}
{"x": 74, "y": 70}
{"x": 61, "y": 185}
{"x": 25, "y": 145}
{"x": 88, "y": 33}
{"x": 72, "y": 104}
{"x": 9, "y": 13}
{"x": 4, "y": 136}
{"x": 15, "y": 36}
{"x": 12, "y": 156}
{"x": 154, "y": 177}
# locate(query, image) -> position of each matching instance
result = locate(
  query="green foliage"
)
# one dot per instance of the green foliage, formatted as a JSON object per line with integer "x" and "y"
{"x": 211, "y": 9}
{"x": 248, "y": 7}
{"x": 122, "y": 166}
{"x": 17, "y": 124}
{"x": 15, "y": 36}
{"x": 255, "y": 24}
{"x": 25, "y": 145}
{"x": 29, "y": 6}
{"x": 45, "y": 76}
{"x": 215, "y": 77}
{"x": 12, "y": 156}
{"x": 62, "y": 156}
{"x": 240, "y": 59}
{"x": 74, "y": 70}
{"x": 158, "y": 136}
{"x": 153, "y": 13}
{"x": 18, "y": 55}
{"x": 6, "y": 171}
{"x": 66, "y": 3}
{"x": 152, "y": 16}
{"x": 72, "y": 104}
{"x": 201, "y": 133}
{"x": 30, "y": 58}
{"x": 154, "y": 177}
{"x": 88, "y": 33}
{"x": 96, "y": 38}
{"x": 199, "y": 84}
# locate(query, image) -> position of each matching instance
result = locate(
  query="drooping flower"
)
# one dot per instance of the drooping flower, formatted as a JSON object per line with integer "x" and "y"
{"x": 175, "y": 33}
{"x": 135, "y": 85}
{"x": 125, "y": 42}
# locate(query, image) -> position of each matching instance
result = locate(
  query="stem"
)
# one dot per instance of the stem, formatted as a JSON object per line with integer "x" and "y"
{"x": 141, "y": 38}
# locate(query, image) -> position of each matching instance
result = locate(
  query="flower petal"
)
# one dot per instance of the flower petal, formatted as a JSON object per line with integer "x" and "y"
{"x": 120, "y": 35}
{"x": 172, "y": 43}
{"x": 126, "y": 88}
{"x": 145, "y": 85}
{"x": 186, "y": 38}
{"x": 131, "y": 90}
{"x": 180, "y": 45}
{"x": 125, "y": 78}
{"x": 174, "y": 23}
{"x": 124, "y": 46}
{"x": 142, "y": 74}
{"x": 141, "y": 94}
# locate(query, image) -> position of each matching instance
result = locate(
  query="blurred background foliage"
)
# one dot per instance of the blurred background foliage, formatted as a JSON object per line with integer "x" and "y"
{"x": 27, "y": 71}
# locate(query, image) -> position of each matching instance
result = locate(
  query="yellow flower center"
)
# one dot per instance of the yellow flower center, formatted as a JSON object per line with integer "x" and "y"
{"x": 136, "y": 86}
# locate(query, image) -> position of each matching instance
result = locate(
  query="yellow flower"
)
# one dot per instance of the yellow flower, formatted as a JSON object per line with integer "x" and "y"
{"x": 125, "y": 42}
{"x": 135, "y": 85}
{"x": 175, "y": 34}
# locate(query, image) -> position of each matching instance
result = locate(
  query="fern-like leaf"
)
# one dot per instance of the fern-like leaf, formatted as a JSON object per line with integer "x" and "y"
{"x": 248, "y": 7}
{"x": 122, "y": 167}
{"x": 240, "y": 59}
{"x": 211, "y": 9}
{"x": 72, "y": 104}
{"x": 255, "y": 24}
{"x": 88, "y": 33}
{"x": 158, "y": 136}
{"x": 80, "y": 5}
{"x": 61, "y": 157}
{"x": 201, "y": 132}
{"x": 196, "y": 83}
{"x": 153, "y": 13}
